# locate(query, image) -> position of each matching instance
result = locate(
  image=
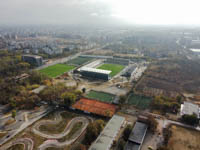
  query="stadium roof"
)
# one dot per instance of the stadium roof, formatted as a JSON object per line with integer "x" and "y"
{"x": 88, "y": 69}
{"x": 96, "y": 107}
{"x": 138, "y": 133}
{"x": 189, "y": 108}
{"x": 107, "y": 136}
{"x": 34, "y": 56}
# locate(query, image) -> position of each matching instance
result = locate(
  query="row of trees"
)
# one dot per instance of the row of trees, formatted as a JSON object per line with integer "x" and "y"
{"x": 93, "y": 130}
{"x": 18, "y": 94}
{"x": 165, "y": 104}
{"x": 11, "y": 64}
{"x": 190, "y": 119}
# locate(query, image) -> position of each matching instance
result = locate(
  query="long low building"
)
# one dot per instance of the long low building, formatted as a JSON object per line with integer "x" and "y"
{"x": 137, "y": 136}
{"x": 95, "y": 73}
{"x": 109, "y": 133}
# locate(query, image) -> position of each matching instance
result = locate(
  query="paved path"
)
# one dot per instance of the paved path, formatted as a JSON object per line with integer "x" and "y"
{"x": 27, "y": 142}
{"x": 54, "y": 137}
{"x": 165, "y": 122}
{"x": 21, "y": 124}
{"x": 56, "y": 143}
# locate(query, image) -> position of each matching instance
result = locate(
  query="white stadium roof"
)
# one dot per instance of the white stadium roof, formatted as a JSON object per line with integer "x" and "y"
{"x": 88, "y": 69}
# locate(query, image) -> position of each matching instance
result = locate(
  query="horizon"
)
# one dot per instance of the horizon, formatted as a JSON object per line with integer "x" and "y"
{"x": 100, "y": 12}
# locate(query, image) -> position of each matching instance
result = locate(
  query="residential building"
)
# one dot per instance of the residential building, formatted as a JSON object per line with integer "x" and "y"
{"x": 33, "y": 60}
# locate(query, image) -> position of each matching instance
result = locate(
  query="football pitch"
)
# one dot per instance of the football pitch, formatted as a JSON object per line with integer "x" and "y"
{"x": 141, "y": 102}
{"x": 112, "y": 67}
{"x": 101, "y": 96}
{"x": 79, "y": 61}
{"x": 56, "y": 70}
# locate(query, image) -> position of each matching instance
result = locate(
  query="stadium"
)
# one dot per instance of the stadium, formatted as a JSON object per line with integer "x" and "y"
{"x": 103, "y": 68}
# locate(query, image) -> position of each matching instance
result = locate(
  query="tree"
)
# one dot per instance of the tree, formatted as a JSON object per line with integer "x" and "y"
{"x": 179, "y": 99}
{"x": 162, "y": 148}
{"x": 53, "y": 93}
{"x": 167, "y": 133}
{"x": 68, "y": 98}
{"x": 83, "y": 90}
{"x": 99, "y": 125}
{"x": 37, "y": 78}
{"x": 80, "y": 147}
{"x": 190, "y": 119}
{"x": 121, "y": 144}
{"x": 93, "y": 130}
{"x": 14, "y": 113}
{"x": 127, "y": 132}
{"x": 122, "y": 99}
{"x": 152, "y": 124}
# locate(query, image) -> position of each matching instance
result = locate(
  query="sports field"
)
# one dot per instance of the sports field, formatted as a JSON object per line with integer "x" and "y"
{"x": 141, "y": 102}
{"x": 112, "y": 67}
{"x": 56, "y": 70}
{"x": 79, "y": 61}
{"x": 101, "y": 96}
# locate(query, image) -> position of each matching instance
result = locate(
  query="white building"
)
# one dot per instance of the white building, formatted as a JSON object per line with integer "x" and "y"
{"x": 189, "y": 109}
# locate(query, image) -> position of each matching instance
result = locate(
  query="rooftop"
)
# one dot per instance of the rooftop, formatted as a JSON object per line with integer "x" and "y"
{"x": 35, "y": 56}
{"x": 138, "y": 133}
{"x": 88, "y": 69}
{"x": 132, "y": 146}
{"x": 96, "y": 107}
{"x": 189, "y": 108}
{"x": 107, "y": 136}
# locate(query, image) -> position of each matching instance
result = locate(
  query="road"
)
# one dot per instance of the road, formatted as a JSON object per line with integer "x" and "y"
{"x": 27, "y": 142}
{"x": 21, "y": 123}
{"x": 163, "y": 122}
{"x": 61, "y": 60}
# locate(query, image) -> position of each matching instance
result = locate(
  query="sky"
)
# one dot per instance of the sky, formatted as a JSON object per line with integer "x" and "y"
{"x": 153, "y": 12}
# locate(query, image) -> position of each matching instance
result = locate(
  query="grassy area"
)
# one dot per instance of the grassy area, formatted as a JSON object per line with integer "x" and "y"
{"x": 56, "y": 70}
{"x": 58, "y": 128}
{"x": 16, "y": 147}
{"x": 102, "y": 96}
{"x": 112, "y": 67}
{"x": 74, "y": 129}
{"x": 79, "y": 61}
{"x": 184, "y": 139}
{"x": 141, "y": 102}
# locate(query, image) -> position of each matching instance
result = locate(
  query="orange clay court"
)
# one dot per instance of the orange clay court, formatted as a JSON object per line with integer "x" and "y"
{"x": 95, "y": 107}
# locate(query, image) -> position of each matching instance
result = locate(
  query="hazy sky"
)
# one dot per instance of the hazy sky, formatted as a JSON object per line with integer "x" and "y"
{"x": 100, "y": 11}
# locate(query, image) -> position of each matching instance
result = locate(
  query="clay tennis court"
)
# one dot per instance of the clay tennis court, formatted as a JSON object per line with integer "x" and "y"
{"x": 95, "y": 107}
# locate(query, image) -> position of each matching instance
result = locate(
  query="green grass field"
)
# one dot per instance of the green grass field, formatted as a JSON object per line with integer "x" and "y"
{"x": 101, "y": 96}
{"x": 112, "y": 67}
{"x": 141, "y": 102}
{"x": 79, "y": 61}
{"x": 56, "y": 70}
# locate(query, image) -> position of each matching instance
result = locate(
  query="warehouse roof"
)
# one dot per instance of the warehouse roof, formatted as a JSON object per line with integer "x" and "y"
{"x": 132, "y": 146}
{"x": 88, "y": 69}
{"x": 138, "y": 133}
{"x": 107, "y": 136}
{"x": 95, "y": 107}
